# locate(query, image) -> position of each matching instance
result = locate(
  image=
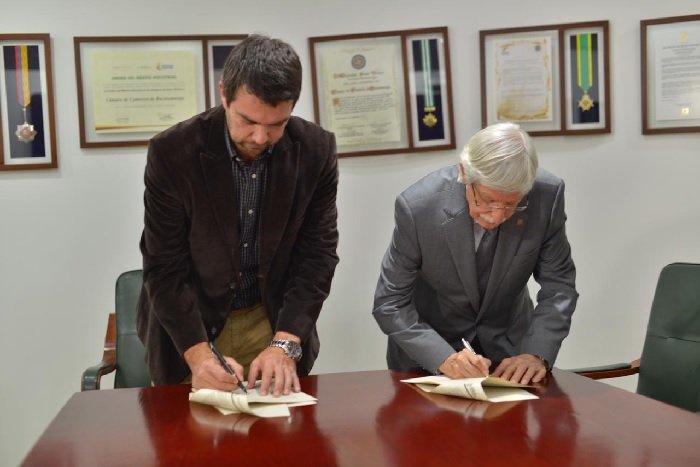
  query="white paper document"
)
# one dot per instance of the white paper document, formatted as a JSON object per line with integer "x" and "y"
{"x": 489, "y": 388}
{"x": 252, "y": 403}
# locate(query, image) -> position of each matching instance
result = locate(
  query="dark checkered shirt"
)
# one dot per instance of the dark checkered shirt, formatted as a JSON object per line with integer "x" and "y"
{"x": 249, "y": 180}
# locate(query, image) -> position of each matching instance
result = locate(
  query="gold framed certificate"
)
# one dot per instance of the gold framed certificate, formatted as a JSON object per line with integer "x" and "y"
{"x": 130, "y": 88}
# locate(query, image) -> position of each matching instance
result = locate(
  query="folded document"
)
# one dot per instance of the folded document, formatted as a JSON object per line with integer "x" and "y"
{"x": 489, "y": 388}
{"x": 252, "y": 403}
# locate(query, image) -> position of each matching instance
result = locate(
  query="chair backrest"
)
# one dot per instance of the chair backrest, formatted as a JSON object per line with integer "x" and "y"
{"x": 669, "y": 370}
{"x": 131, "y": 367}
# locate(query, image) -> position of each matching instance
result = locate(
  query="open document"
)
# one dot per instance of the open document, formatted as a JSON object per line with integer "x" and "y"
{"x": 489, "y": 388}
{"x": 252, "y": 403}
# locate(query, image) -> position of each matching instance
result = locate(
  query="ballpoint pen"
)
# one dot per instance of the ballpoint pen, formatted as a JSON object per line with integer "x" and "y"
{"x": 467, "y": 346}
{"x": 226, "y": 366}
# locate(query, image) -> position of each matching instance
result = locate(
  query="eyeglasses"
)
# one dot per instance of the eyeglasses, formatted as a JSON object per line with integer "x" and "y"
{"x": 505, "y": 209}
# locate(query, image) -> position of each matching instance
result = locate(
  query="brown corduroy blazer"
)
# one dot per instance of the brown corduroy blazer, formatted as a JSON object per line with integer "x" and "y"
{"x": 190, "y": 239}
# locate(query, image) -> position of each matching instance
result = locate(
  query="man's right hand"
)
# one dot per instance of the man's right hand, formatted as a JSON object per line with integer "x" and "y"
{"x": 465, "y": 364}
{"x": 207, "y": 372}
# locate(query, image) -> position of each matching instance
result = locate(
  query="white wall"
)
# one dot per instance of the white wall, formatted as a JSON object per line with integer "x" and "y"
{"x": 66, "y": 234}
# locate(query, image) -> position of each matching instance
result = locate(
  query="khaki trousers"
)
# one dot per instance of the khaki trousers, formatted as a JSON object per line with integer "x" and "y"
{"x": 247, "y": 332}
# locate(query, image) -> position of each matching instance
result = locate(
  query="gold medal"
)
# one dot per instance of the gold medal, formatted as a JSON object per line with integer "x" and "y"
{"x": 25, "y": 132}
{"x": 429, "y": 120}
{"x": 586, "y": 103}
{"x": 584, "y": 66}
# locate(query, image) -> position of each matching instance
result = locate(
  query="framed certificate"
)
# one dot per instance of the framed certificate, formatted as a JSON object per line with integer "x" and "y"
{"x": 670, "y": 49}
{"x": 130, "y": 88}
{"x": 384, "y": 93}
{"x": 551, "y": 80}
{"x": 28, "y": 137}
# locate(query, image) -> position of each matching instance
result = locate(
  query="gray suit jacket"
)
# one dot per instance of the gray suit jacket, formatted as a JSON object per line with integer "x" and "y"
{"x": 427, "y": 297}
{"x": 190, "y": 241}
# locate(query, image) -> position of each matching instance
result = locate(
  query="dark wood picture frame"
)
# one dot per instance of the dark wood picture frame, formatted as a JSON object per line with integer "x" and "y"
{"x": 28, "y": 136}
{"x": 384, "y": 92}
{"x": 145, "y": 85}
{"x": 554, "y": 79}
{"x": 676, "y": 108}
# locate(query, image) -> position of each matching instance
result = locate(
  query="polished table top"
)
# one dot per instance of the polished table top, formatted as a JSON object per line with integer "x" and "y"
{"x": 370, "y": 418}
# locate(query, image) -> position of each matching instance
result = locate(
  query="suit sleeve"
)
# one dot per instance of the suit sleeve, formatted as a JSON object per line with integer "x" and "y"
{"x": 165, "y": 250}
{"x": 394, "y": 309}
{"x": 556, "y": 300}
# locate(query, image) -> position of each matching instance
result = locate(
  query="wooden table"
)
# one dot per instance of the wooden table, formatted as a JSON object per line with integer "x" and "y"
{"x": 370, "y": 418}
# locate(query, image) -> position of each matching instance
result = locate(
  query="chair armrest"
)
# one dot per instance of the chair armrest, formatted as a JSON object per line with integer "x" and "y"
{"x": 91, "y": 376}
{"x": 609, "y": 371}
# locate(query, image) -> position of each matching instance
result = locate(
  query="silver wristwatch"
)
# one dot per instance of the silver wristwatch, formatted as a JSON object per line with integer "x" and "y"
{"x": 291, "y": 348}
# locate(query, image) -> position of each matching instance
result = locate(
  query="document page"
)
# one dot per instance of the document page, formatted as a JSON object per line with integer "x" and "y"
{"x": 486, "y": 389}
{"x": 252, "y": 403}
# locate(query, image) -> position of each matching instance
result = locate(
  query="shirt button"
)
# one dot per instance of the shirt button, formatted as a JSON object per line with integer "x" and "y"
{"x": 254, "y": 176}
{"x": 250, "y": 211}
{"x": 245, "y": 245}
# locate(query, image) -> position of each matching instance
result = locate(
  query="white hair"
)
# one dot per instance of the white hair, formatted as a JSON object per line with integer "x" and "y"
{"x": 501, "y": 157}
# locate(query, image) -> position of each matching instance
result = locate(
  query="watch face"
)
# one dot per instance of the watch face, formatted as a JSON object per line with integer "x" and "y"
{"x": 293, "y": 350}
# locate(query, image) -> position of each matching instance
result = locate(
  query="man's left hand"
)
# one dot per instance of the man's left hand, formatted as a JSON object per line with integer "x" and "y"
{"x": 273, "y": 362}
{"x": 521, "y": 369}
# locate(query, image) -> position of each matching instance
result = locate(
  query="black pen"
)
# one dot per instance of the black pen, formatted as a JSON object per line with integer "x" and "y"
{"x": 226, "y": 366}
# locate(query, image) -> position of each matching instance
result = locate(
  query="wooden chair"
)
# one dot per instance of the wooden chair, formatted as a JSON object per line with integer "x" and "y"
{"x": 123, "y": 351}
{"x": 669, "y": 368}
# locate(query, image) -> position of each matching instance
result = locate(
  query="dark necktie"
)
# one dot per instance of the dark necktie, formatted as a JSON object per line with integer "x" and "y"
{"x": 484, "y": 259}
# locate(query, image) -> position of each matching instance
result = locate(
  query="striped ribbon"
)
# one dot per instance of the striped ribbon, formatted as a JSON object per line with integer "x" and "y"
{"x": 584, "y": 61}
{"x": 429, "y": 102}
{"x": 24, "y": 95}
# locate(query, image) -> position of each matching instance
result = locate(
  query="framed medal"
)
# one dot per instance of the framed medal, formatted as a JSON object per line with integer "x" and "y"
{"x": 384, "y": 92}
{"x": 586, "y": 71}
{"x": 217, "y": 53}
{"x": 551, "y": 80}
{"x": 28, "y": 137}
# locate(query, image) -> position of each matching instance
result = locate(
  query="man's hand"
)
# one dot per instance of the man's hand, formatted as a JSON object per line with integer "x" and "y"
{"x": 465, "y": 364}
{"x": 273, "y": 362}
{"x": 208, "y": 373}
{"x": 521, "y": 369}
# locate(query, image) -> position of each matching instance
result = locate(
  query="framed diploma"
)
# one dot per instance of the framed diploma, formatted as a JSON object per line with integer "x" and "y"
{"x": 551, "y": 80}
{"x": 130, "y": 88}
{"x": 28, "y": 137}
{"x": 385, "y": 92}
{"x": 670, "y": 50}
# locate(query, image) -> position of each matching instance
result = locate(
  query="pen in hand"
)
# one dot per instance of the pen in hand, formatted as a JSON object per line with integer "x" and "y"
{"x": 467, "y": 346}
{"x": 471, "y": 349}
{"x": 226, "y": 366}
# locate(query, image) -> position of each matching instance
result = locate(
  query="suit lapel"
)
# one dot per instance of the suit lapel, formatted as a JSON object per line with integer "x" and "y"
{"x": 459, "y": 235}
{"x": 282, "y": 173}
{"x": 218, "y": 177}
